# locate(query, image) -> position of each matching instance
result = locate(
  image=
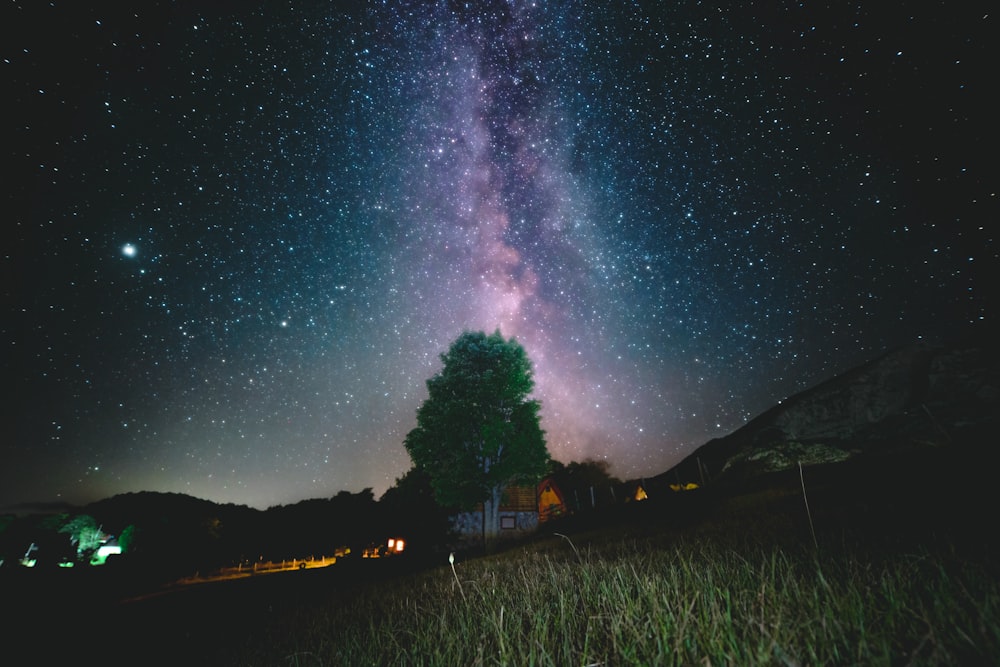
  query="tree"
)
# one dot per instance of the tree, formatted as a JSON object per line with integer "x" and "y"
{"x": 579, "y": 479}
{"x": 126, "y": 538}
{"x": 84, "y": 534}
{"x": 477, "y": 432}
{"x": 409, "y": 509}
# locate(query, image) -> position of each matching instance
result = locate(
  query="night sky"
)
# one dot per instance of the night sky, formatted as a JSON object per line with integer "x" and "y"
{"x": 238, "y": 235}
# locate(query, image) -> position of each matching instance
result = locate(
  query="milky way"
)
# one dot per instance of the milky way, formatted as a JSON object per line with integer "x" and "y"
{"x": 239, "y": 237}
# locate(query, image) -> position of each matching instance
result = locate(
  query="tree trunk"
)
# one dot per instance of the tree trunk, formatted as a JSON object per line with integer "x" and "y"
{"x": 491, "y": 516}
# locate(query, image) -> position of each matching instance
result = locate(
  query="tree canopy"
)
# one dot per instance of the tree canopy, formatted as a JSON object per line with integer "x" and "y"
{"x": 84, "y": 534}
{"x": 578, "y": 480}
{"x": 478, "y": 431}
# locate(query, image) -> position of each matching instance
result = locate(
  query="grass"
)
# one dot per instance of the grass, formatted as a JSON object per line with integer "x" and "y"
{"x": 888, "y": 578}
{"x": 638, "y": 602}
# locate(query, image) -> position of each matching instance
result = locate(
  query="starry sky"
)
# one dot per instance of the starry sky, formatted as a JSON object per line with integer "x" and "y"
{"x": 238, "y": 235}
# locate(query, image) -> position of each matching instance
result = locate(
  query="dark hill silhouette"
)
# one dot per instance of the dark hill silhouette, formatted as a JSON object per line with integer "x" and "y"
{"x": 912, "y": 399}
{"x": 126, "y": 508}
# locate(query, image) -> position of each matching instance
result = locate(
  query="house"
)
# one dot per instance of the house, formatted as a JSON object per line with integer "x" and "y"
{"x": 551, "y": 503}
{"x": 522, "y": 509}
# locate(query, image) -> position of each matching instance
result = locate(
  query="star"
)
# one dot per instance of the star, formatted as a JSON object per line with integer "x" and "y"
{"x": 683, "y": 215}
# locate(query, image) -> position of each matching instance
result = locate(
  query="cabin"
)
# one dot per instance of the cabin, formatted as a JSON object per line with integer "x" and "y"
{"x": 551, "y": 503}
{"x": 522, "y": 510}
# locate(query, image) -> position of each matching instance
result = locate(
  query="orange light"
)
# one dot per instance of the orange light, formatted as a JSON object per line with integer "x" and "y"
{"x": 392, "y": 543}
{"x": 399, "y": 545}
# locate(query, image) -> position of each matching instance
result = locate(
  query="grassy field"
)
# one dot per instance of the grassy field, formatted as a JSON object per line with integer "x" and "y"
{"x": 752, "y": 580}
{"x": 637, "y": 602}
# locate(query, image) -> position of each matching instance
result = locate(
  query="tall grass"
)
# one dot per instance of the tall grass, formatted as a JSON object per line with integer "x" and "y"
{"x": 637, "y": 602}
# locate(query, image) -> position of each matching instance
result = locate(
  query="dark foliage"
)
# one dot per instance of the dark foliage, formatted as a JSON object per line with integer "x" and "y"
{"x": 587, "y": 484}
{"x": 409, "y": 509}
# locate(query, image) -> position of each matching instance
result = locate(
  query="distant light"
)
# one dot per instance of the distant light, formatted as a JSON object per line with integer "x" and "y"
{"x": 129, "y": 250}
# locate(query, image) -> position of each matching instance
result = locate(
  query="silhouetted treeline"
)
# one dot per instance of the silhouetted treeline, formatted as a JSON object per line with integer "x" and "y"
{"x": 175, "y": 535}
{"x": 587, "y": 484}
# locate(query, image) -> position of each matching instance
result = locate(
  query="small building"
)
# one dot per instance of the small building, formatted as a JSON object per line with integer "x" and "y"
{"x": 109, "y": 547}
{"x": 522, "y": 509}
{"x": 639, "y": 493}
{"x": 551, "y": 503}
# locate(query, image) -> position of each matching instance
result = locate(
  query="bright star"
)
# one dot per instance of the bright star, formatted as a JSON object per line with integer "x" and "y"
{"x": 128, "y": 250}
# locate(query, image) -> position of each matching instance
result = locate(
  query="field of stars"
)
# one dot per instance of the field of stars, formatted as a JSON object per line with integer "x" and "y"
{"x": 238, "y": 235}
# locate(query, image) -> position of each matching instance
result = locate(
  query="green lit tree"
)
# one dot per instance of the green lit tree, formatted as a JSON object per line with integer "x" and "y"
{"x": 126, "y": 538}
{"x": 84, "y": 534}
{"x": 478, "y": 432}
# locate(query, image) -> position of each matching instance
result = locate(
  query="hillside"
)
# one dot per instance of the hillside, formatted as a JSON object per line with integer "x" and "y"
{"x": 911, "y": 399}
